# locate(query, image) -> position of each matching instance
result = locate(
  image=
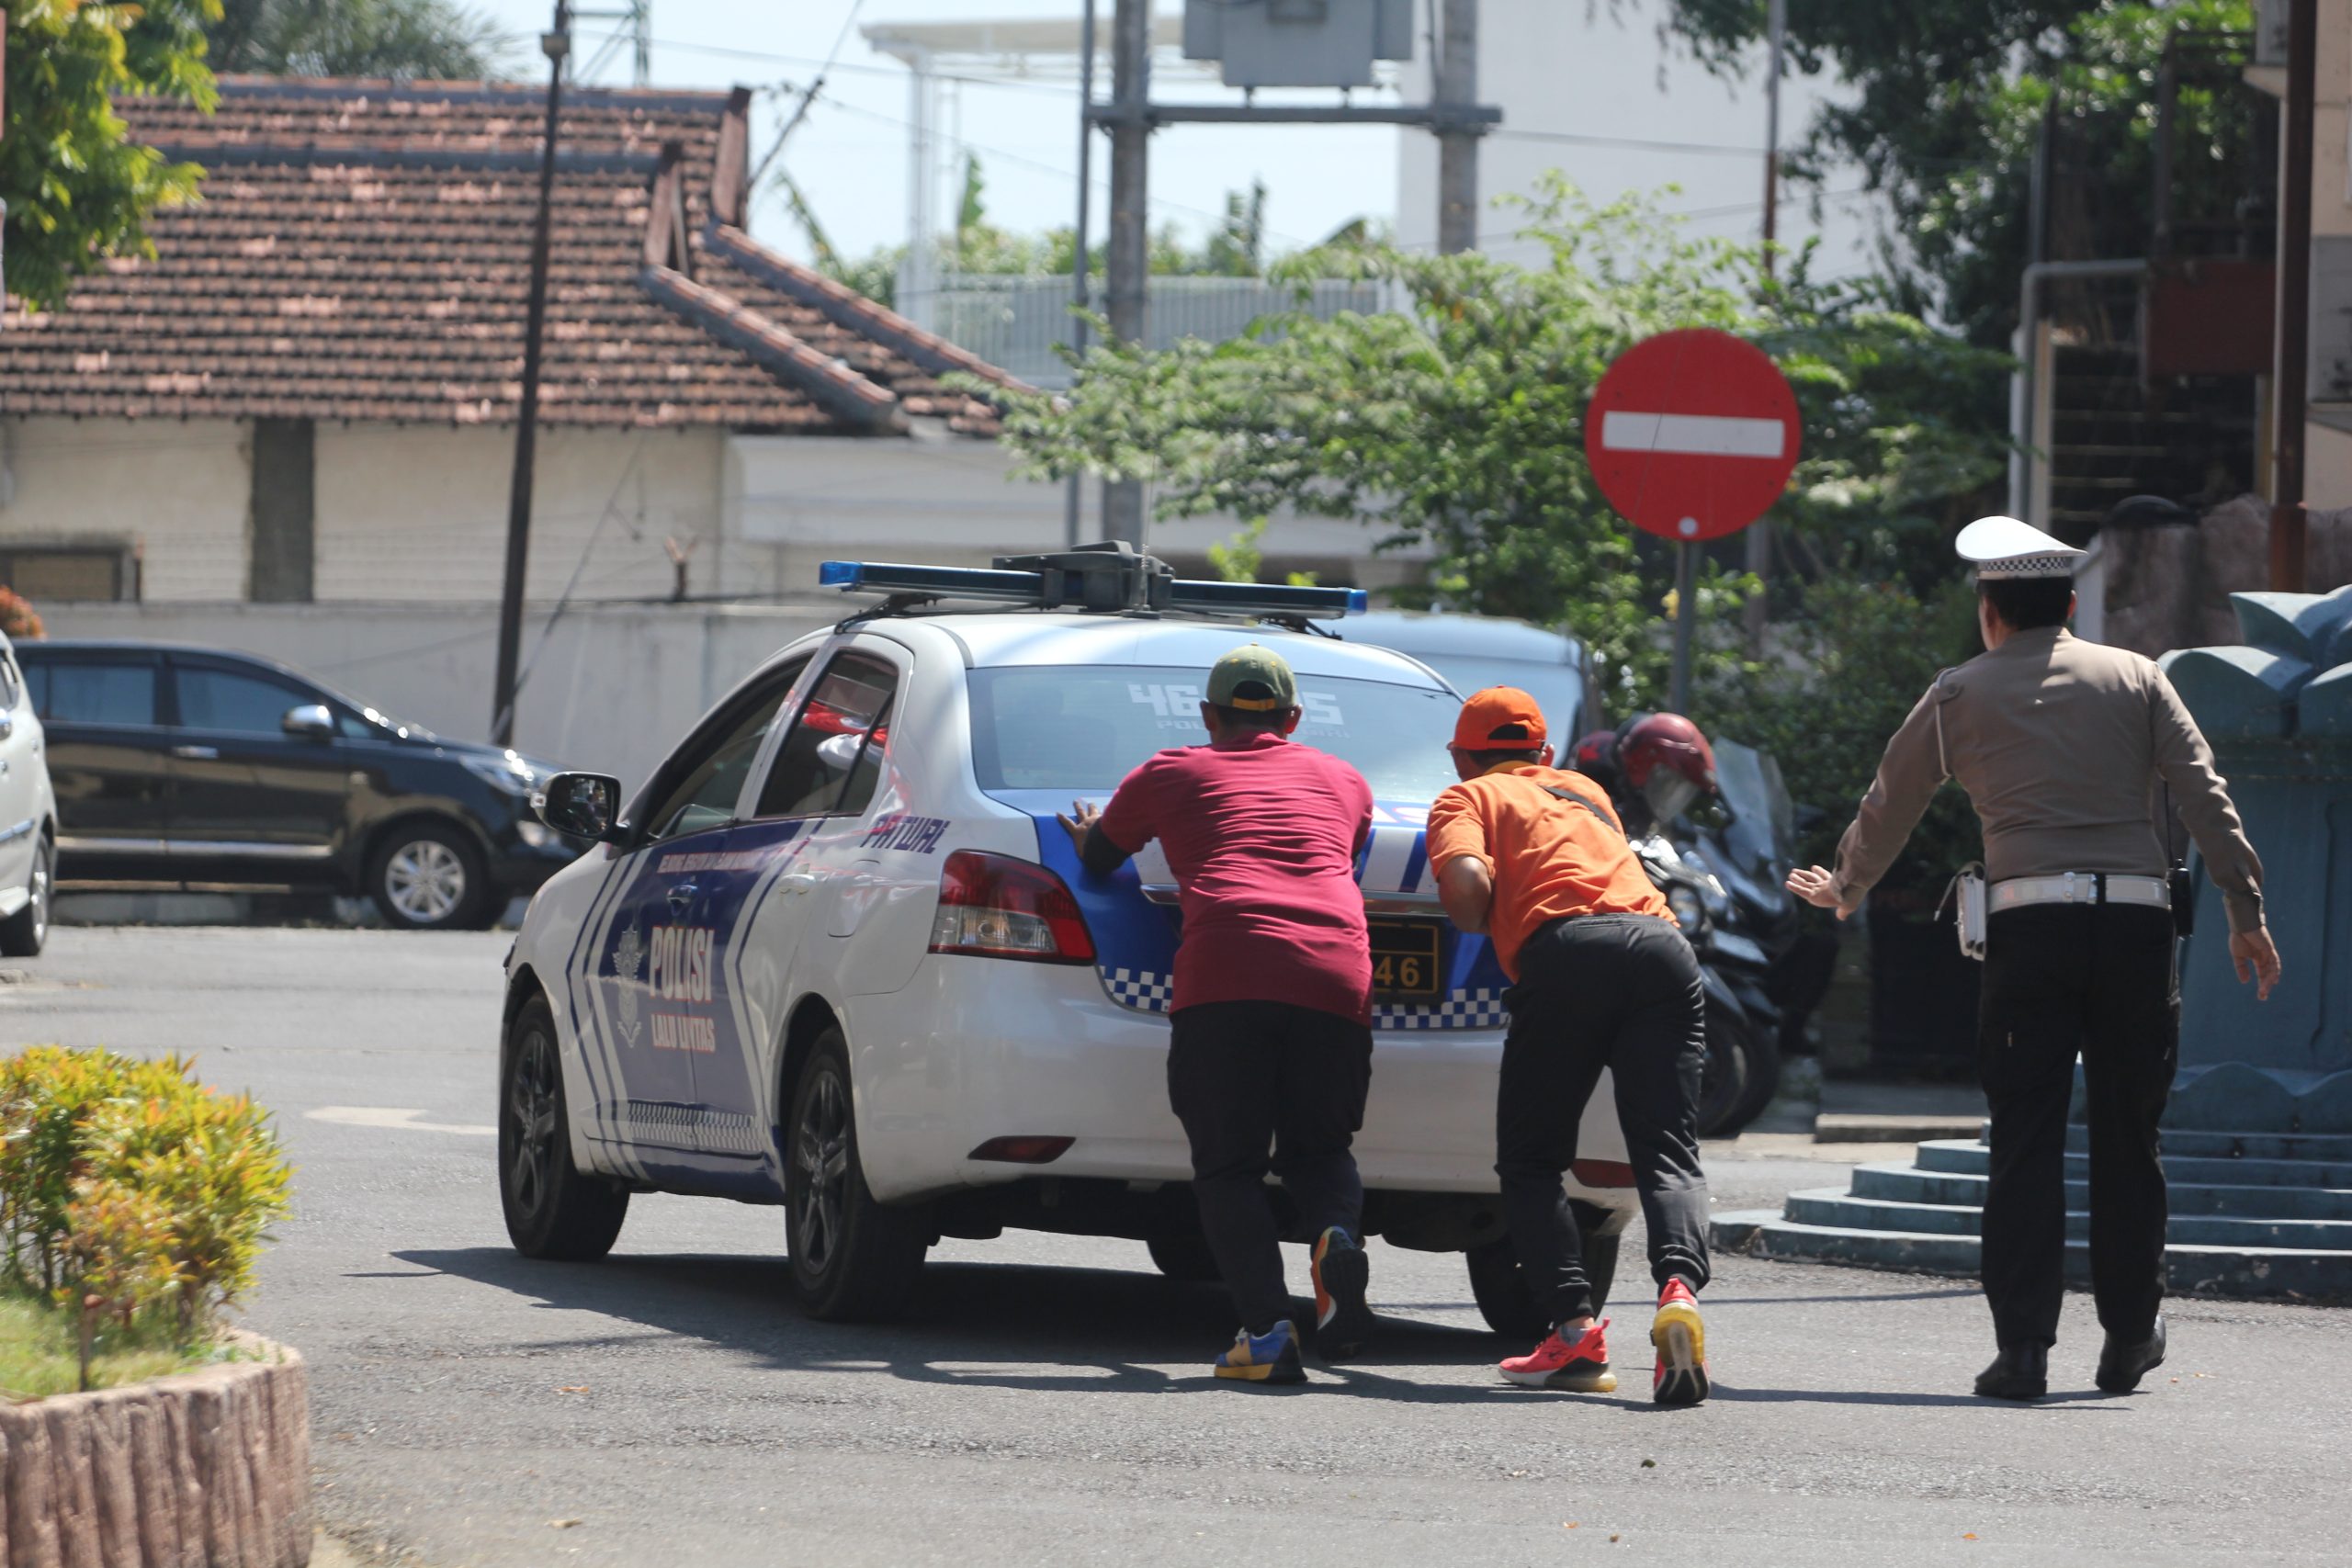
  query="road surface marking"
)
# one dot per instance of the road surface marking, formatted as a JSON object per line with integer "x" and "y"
{"x": 392, "y": 1116}
{"x": 1699, "y": 435}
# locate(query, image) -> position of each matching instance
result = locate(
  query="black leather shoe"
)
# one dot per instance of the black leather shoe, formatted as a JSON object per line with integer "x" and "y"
{"x": 2020, "y": 1372}
{"x": 2122, "y": 1366}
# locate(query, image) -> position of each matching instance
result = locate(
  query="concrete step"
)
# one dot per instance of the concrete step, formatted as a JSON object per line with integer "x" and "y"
{"x": 2273, "y": 1272}
{"x": 1875, "y": 1127}
{"x": 1909, "y": 1184}
{"x": 1828, "y": 1206}
{"x": 2330, "y": 1148}
{"x": 1970, "y": 1156}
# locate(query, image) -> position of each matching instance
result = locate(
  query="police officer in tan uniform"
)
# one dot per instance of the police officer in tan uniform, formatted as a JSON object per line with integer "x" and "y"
{"x": 2063, "y": 746}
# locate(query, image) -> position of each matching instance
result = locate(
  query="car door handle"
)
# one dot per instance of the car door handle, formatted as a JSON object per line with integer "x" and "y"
{"x": 197, "y": 753}
{"x": 681, "y": 896}
{"x": 799, "y": 881}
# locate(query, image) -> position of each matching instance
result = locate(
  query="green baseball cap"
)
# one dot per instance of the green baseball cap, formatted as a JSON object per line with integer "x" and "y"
{"x": 1254, "y": 679}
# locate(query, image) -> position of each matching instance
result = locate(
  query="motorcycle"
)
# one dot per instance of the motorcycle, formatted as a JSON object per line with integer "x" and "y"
{"x": 1743, "y": 1062}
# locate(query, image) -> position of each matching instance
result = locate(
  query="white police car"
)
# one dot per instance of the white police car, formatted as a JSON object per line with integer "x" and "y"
{"x": 837, "y": 954}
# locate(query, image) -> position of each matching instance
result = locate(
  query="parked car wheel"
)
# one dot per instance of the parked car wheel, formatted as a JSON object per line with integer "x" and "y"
{"x": 1499, "y": 1285}
{"x": 1185, "y": 1257}
{"x": 554, "y": 1209}
{"x": 853, "y": 1259}
{"x": 25, "y": 933}
{"x": 427, "y": 876}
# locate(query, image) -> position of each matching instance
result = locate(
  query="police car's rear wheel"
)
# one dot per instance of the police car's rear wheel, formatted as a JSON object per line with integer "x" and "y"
{"x": 553, "y": 1209}
{"x": 853, "y": 1259}
{"x": 1185, "y": 1257}
{"x": 1723, "y": 1083}
{"x": 1499, "y": 1285}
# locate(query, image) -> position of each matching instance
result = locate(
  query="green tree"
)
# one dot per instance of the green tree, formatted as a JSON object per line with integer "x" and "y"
{"x": 79, "y": 187}
{"x": 1947, "y": 105}
{"x": 1456, "y": 422}
{"x": 403, "y": 40}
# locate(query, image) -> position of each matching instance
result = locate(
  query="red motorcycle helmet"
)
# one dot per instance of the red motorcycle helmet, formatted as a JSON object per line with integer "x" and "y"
{"x": 1666, "y": 757}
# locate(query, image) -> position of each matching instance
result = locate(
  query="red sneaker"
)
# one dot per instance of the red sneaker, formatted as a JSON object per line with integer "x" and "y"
{"x": 1681, "y": 1341}
{"x": 1580, "y": 1368}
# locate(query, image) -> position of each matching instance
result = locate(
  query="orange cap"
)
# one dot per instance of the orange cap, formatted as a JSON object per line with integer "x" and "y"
{"x": 1500, "y": 718}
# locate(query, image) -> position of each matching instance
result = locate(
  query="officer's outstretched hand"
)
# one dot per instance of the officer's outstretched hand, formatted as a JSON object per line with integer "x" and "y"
{"x": 1816, "y": 886}
{"x": 2256, "y": 957}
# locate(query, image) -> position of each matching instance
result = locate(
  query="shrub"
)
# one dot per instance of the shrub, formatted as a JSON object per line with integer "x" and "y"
{"x": 131, "y": 1173}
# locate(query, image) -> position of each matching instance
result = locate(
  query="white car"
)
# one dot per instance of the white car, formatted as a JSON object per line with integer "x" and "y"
{"x": 28, "y": 817}
{"x": 838, "y": 955}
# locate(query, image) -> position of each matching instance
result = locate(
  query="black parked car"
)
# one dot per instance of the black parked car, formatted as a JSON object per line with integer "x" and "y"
{"x": 195, "y": 765}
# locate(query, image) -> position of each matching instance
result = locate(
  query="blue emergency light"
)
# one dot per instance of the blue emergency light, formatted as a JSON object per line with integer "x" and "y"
{"x": 1095, "y": 577}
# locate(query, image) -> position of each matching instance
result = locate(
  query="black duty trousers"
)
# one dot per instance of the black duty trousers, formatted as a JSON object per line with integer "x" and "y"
{"x": 1621, "y": 992}
{"x": 1247, "y": 1077}
{"x": 2097, "y": 981}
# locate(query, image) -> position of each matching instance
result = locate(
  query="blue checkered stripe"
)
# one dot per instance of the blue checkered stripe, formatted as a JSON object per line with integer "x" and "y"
{"x": 1148, "y": 992}
{"x": 1140, "y": 988}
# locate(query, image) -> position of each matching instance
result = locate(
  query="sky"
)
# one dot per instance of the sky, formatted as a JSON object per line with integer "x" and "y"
{"x": 850, "y": 154}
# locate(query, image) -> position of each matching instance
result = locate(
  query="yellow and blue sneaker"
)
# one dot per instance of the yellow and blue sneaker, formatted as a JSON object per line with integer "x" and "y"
{"x": 1343, "y": 1320}
{"x": 1270, "y": 1357}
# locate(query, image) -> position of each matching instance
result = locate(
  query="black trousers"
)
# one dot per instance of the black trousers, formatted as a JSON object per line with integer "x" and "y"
{"x": 2063, "y": 980}
{"x": 1621, "y": 992}
{"x": 1248, "y": 1077}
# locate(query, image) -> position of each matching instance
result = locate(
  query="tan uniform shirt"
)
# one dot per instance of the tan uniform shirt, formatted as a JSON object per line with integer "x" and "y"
{"x": 2060, "y": 743}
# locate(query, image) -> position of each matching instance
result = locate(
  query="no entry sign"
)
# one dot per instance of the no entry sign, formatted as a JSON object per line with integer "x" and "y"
{"x": 1693, "y": 434}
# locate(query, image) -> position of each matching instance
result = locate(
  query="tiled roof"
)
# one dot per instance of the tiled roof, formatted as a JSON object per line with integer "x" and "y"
{"x": 362, "y": 251}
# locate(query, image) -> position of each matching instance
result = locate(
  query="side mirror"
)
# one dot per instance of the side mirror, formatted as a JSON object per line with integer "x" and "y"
{"x": 582, "y": 806}
{"x": 310, "y": 719}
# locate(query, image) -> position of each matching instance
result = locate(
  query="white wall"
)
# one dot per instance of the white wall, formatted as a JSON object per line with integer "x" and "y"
{"x": 1565, "y": 68}
{"x": 419, "y": 512}
{"x": 797, "y": 501}
{"x": 178, "y": 492}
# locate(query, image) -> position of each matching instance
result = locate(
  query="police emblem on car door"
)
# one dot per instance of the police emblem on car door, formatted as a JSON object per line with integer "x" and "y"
{"x": 651, "y": 1013}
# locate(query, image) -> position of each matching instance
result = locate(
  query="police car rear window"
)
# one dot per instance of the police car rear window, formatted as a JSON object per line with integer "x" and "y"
{"x": 1085, "y": 728}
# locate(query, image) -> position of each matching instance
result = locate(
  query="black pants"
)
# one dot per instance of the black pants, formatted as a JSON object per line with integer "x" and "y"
{"x": 1247, "y": 1077}
{"x": 2063, "y": 980}
{"x": 1621, "y": 992}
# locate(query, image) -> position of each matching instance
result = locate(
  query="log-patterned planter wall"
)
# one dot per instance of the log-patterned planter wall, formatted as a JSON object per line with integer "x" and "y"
{"x": 209, "y": 1468}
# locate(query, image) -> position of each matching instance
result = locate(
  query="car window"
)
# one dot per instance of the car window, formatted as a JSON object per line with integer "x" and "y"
{"x": 1083, "y": 728}
{"x": 94, "y": 692}
{"x": 11, "y": 686}
{"x": 227, "y": 699}
{"x": 832, "y": 761}
{"x": 704, "y": 777}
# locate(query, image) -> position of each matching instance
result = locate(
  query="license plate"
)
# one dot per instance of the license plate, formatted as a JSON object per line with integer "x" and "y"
{"x": 1405, "y": 958}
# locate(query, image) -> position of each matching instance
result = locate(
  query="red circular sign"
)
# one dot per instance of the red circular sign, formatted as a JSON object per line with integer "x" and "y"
{"x": 1693, "y": 434}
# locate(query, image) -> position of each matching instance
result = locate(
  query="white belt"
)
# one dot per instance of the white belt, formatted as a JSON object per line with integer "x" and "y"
{"x": 2082, "y": 887}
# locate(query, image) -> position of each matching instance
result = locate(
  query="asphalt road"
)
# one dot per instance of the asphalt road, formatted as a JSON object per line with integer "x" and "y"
{"x": 1048, "y": 1399}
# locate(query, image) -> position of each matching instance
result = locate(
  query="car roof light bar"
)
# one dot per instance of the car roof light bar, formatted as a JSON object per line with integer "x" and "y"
{"x": 1266, "y": 598}
{"x": 1104, "y": 578}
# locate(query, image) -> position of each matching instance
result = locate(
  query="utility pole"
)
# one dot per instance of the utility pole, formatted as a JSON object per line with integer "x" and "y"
{"x": 1074, "y": 505}
{"x": 1457, "y": 143}
{"x": 2290, "y": 385}
{"x": 1128, "y": 258}
{"x": 1757, "y": 613}
{"x": 556, "y": 43}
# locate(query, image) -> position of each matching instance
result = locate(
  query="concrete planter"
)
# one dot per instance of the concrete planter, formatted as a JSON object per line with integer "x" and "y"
{"x": 208, "y": 1469}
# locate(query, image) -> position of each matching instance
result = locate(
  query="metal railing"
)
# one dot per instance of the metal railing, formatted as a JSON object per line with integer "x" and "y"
{"x": 1016, "y": 322}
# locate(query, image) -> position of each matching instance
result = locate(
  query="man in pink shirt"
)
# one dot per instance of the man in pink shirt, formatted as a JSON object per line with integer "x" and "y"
{"x": 1271, "y": 1040}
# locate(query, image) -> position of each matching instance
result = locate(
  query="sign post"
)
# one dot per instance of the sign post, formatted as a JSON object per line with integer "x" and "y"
{"x": 1691, "y": 435}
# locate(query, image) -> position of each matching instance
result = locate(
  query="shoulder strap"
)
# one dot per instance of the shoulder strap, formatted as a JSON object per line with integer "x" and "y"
{"x": 1558, "y": 793}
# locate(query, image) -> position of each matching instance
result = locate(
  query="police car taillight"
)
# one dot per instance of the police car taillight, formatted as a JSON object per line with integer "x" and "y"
{"x": 995, "y": 907}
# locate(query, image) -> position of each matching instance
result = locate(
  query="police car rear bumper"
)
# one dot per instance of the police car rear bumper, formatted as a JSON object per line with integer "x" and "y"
{"x": 974, "y": 1050}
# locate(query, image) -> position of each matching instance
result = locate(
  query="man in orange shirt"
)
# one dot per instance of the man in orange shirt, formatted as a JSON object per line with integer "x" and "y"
{"x": 1536, "y": 858}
